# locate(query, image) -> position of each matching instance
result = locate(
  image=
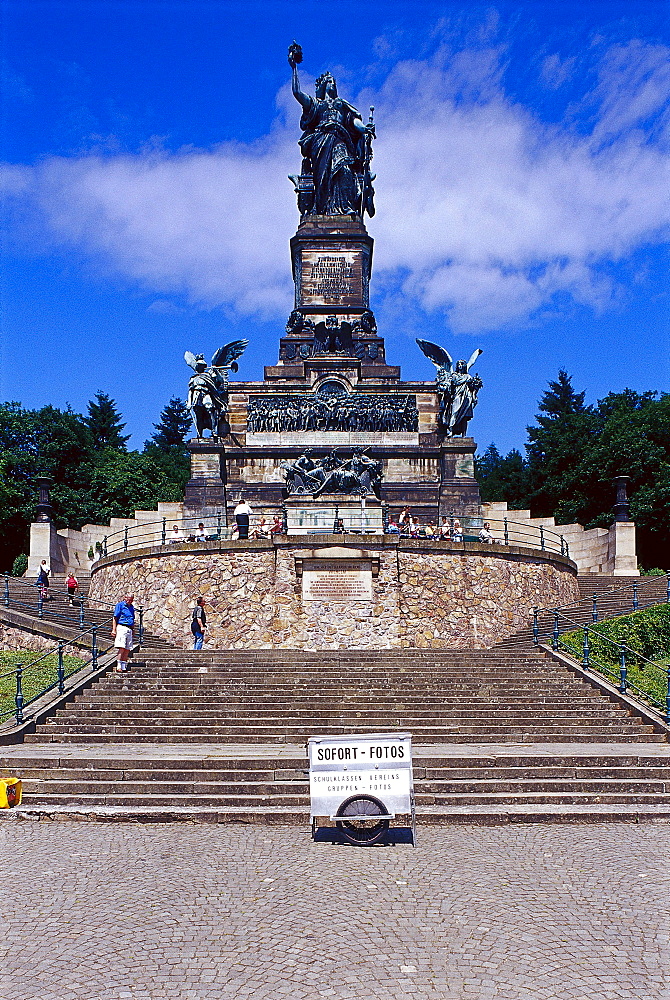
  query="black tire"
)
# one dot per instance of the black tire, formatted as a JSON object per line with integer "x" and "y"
{"x": 367, "y": 831}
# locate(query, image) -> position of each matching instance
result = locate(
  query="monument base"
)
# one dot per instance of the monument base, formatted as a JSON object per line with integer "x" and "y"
{"x": 205, "y": 492}
{"x": 332, "y": 514}
{"x": 459, "y": 490}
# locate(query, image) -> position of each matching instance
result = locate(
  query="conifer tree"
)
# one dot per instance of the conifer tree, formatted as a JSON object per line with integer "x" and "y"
{"x": 173, "y": 427}
{"x": 557, "y": 443}
{"x": 104, "y": 423}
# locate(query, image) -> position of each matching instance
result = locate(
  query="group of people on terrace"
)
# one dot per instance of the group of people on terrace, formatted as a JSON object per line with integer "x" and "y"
{"x": 451, "y": 529}
{"x": 406, "y": 524}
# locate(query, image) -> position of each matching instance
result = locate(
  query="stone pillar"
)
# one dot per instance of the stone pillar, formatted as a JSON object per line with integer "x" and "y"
{"x": 459, "y": 490}
{"x": 44, "y": 542}
{"x": 205, "y": 492}
{"x": 622, "y": 560}
{"x": 43, "y": 545}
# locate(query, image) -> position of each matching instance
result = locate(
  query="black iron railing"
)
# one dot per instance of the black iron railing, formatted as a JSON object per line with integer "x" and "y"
{"x": 630, "y": 670}
{"x": 37, "y": 676}
{"x": 79, "y": 613}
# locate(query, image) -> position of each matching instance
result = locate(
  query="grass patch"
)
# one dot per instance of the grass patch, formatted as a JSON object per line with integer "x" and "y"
{"x": 35, "y": 679}
{"x": 646, "y": 634}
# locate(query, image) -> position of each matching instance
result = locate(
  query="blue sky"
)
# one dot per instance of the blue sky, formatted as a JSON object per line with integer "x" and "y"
{"x": 522, "y": 192}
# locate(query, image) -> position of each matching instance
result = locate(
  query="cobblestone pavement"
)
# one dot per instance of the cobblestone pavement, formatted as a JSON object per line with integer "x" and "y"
{"x": 129, "y": 912}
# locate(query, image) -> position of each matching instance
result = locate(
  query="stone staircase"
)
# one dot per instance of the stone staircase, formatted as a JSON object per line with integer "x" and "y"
{"x": 499, "y": 736}
{"x": 277, "y": 697}
{"x": 71, "y": 619}
{"x": 477, "y": 784}
{"x": 614, "y": 596}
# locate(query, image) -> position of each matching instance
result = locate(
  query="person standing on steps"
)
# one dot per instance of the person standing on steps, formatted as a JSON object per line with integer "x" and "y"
{"x": 242, "y": 513}
{"x": 198, "y": 623}
{"x": 43, "y": 580}
{"x": 72, "y": 586}
{"x": 123, "y": 624}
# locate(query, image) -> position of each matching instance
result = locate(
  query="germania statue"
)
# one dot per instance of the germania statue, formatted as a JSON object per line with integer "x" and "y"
{"x": 336, "y": 148}
{"x": 208, "y": 388}
{"x": 457, "y": 388}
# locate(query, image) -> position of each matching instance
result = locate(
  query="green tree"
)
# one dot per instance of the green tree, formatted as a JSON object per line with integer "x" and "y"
{"x": 88, "y": 485}
{"x": 502, "y": 478}
{"x": 563, "y": 433}
{"x": 173, "y": 427}
{"x": 104, "y": 423}
{"x": 167, "y": 447}
{"x": 575, "y": 451}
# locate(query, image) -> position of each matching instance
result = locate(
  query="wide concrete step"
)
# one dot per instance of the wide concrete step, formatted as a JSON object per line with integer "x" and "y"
{"x": 42, "y": 787}
{"x": 490, "y": 814}
{"x": 269, "y": 785}
{"x": 346, "y": 723}
{"x": 300, "y": 715}
{"x": 500, "y": 736}
{"x": 279, "y": 801}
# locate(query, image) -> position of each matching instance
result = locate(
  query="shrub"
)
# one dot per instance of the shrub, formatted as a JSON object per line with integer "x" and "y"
{"x": 646, "y": 634}
{"x": 20, "y": 565}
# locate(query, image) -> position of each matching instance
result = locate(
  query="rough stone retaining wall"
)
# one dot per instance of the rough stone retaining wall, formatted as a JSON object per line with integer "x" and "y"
{"x": 426, "y": 594}
{"x": 14, "y": 638}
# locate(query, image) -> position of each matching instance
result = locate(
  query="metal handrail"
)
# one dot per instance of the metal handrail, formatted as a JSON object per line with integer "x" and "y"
{"x": 639, "y": 585}
{"x": 160, "y": 532}
{"x": 503, "y": 531}
{"x": 18, "y": 672}
{"x": 36, "y": 605}
{"x": 624, "y": 654}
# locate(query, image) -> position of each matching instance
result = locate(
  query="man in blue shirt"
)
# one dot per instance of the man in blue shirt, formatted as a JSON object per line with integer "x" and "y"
{"x": 122, "y": 629}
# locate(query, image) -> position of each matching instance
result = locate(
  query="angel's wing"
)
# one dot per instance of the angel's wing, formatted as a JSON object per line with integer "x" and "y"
{"x": 437, "y": 355}
{"x": 190, "y": 359}
{"x": 474, "y": 357}
{"x": 225, "y": 356}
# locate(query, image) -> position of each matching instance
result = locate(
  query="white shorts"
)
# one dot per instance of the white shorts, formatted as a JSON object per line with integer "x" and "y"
{"x": 124, "y": 637}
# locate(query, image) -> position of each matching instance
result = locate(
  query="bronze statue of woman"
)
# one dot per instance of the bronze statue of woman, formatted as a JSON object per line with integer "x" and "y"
{"x": 335, "y": 146}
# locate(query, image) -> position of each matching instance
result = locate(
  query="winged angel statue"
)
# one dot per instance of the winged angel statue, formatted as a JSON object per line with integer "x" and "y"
{"x": 208, "y": 388}
{"x": 457, "y": 388}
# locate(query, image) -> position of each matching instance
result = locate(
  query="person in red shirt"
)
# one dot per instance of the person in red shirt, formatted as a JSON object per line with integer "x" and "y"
{"x": 72, "y": 586}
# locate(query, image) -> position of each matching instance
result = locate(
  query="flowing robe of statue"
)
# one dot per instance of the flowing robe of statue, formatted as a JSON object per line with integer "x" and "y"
{"x": 456, "y": 387}
{"x": 333, "y": 145}
{"x": 459, "y": 391}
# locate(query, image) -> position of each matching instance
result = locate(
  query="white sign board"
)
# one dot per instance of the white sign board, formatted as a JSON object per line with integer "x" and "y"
{"x": 378, "y": 765}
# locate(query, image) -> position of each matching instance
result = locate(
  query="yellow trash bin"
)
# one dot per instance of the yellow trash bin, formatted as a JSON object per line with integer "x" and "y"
{"x": 10, "y": 792}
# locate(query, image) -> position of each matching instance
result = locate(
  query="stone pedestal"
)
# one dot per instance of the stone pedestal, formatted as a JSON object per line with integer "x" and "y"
{"x": 459, "y": 490}
{"x": 305, "y": 516}
{"x": 332, "y": 261}
{"x": 205, "y": 493}
{"x": 621, "y": 549}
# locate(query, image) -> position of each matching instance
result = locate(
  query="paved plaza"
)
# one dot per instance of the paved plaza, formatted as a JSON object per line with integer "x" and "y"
{"x": 129, "y": 912}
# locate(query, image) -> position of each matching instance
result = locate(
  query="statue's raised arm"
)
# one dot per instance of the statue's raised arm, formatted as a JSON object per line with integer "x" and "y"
{"x": 294, "y": 58}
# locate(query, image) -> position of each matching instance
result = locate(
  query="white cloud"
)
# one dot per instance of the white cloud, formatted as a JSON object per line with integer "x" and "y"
{"x": 485, "y": 214}
{"x": 556, "y": 71}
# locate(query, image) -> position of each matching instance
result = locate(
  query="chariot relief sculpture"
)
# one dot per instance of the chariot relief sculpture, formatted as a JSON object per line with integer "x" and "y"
{"x": 456, "y": 387}
{"x": 355, "y": 476}
{"x": 336, "y": 149}
{"x": 208, "y": 387}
